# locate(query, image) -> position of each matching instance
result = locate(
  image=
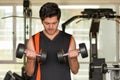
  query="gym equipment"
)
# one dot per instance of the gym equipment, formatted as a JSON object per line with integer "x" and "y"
{"x": 12, "y": 76}
{"x": 9, "y": 76}
{"x": 21, "y": 50}
{"x": 17, "y": 77}
{"x": 95, "y": 15}
{"x": 115, "y": 74}
{"x": 103, "y": 68}
{"x": 82, "y": 49}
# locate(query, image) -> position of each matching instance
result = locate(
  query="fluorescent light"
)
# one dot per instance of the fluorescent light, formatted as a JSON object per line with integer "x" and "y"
{"x": 78, "y": 6}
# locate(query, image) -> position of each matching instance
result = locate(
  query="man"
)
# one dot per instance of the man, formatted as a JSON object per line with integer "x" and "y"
{"x": 51, "y": 39}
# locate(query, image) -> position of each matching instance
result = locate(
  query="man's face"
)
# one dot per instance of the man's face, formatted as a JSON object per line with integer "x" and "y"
{"x": 50, "y": 24}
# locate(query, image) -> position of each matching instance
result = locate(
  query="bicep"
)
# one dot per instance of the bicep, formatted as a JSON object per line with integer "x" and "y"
{"x": 72, "y": 44}
{"x": 30, "y": 44}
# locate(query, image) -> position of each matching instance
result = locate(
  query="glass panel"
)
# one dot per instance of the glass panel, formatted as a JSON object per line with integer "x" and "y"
{"x": 19, "y": 25}
{"x": 36, "y": 23}
{"x": 6, "y": 33}
{"x": 19, "y": 28}
{"x": 107, "y": 40}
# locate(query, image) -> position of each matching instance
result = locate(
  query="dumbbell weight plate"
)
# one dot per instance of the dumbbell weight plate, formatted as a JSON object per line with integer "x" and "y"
{"x": 20, "y": 50}
{"x": 43, "y": 56}
{"x": 83, "y": 50}
{"x": 60, "y": 56}
{"x": 104, "y": 68}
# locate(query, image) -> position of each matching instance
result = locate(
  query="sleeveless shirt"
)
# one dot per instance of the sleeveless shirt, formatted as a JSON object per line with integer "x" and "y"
{"x": 52, "y": 69}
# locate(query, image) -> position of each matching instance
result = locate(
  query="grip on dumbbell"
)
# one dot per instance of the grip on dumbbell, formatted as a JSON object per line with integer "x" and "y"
{"x": 66, "y": 54}
{"x": 82, "y": 50}
{"x": 21, "y": 50}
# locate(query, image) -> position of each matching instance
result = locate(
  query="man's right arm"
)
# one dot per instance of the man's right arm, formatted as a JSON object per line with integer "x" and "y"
{"x": 31, "y": 58}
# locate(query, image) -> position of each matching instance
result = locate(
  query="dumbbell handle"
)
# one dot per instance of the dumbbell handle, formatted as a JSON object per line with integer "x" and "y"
{"x": 35, "y": 54}
{"x": 66, "y": 54}
{"x": 38, "y": 55}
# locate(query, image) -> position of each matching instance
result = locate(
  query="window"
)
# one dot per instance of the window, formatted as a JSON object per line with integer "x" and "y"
{"x": 6, "y": 33}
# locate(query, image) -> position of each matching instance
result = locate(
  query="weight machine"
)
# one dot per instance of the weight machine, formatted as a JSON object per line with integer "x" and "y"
{"x": 97, "y": 66}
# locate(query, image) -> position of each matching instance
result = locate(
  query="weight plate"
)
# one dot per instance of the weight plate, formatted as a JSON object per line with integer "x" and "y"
{"x": 60, "y": 56}
{"x": 20, "y": 50}
{"x": 83, "y": 50}
{"x": 43, "y": 56}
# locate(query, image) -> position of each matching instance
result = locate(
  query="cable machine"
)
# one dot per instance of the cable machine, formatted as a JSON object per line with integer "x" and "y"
{"x": 27, "y": 12}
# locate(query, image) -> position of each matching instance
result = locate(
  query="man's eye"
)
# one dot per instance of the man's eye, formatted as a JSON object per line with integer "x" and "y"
{"x": 54, "y": 23}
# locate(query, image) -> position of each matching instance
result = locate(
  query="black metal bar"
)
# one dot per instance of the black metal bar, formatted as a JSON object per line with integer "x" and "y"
{"x": 72, "y": 19}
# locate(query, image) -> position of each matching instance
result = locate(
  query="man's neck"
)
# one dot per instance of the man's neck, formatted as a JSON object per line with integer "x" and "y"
{"x": 51, "y": 36}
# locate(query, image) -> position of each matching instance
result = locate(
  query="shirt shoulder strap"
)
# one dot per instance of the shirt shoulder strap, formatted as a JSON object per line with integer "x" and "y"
{"x": 36, "y": 41}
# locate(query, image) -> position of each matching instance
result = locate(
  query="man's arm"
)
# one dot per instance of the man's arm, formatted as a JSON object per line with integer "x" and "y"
{"x": 72, "y": 57}
{"x": 31, "y": 58}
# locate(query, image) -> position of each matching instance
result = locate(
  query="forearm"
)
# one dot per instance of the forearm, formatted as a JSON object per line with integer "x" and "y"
{"x": 74, "y": 65}
{"x": 30, "y": 67}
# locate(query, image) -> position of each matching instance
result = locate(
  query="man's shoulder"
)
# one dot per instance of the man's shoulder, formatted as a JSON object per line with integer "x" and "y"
{"x": 65, "y": 33}
{"x": 38, "y": 33}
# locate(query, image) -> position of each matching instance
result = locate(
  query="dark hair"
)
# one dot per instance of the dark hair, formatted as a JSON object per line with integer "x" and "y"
{"x": 49, "y": 9}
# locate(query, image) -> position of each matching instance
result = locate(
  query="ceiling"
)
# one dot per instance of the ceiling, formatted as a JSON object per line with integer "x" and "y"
{"x": 74, "y": 2}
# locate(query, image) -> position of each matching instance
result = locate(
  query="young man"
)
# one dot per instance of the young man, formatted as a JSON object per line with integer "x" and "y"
{"x": 51, "y": 39}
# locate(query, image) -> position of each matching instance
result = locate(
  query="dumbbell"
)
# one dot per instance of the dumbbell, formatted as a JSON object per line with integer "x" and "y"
{"x": 21, "y": 50}
{"x": 82, "y": 50}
